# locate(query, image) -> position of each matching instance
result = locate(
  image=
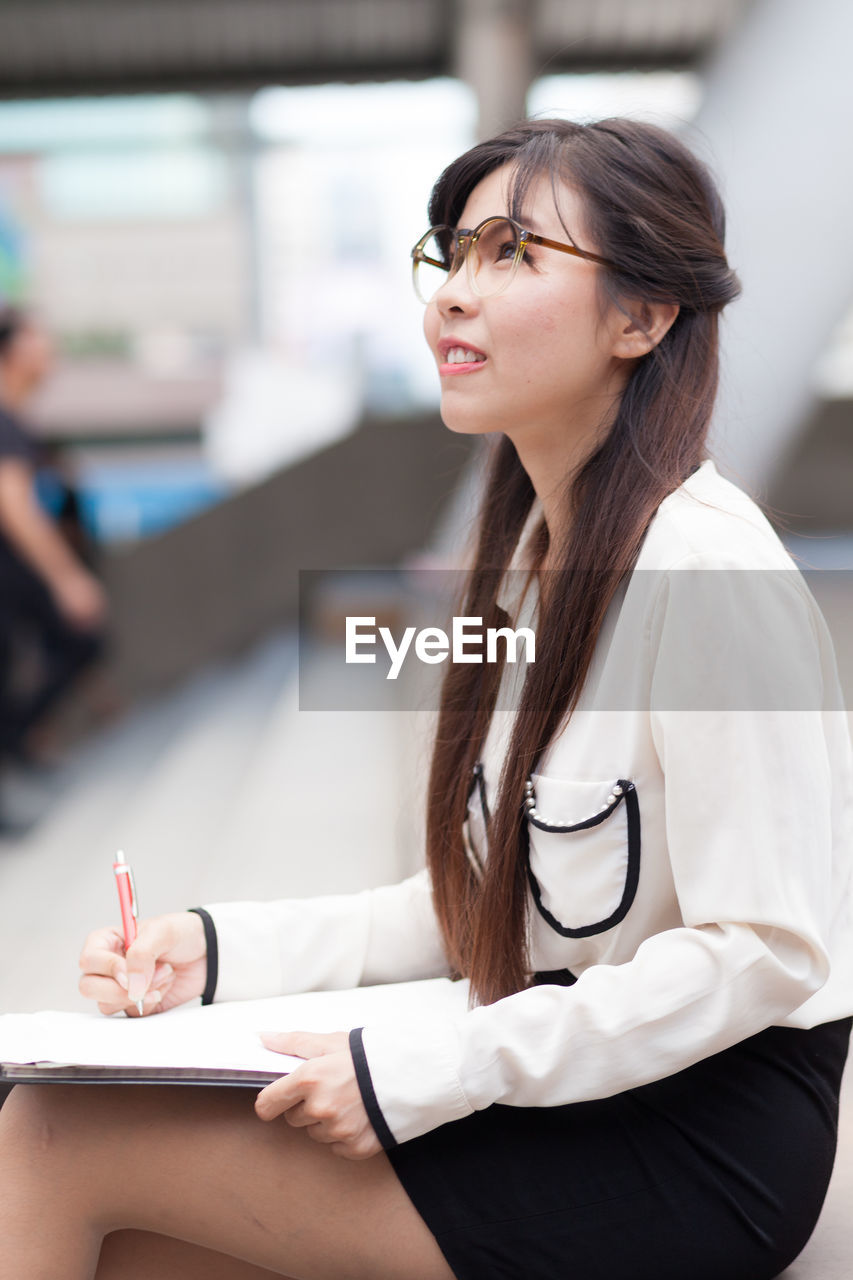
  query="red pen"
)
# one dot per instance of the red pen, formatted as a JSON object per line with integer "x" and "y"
{"x": 127, "y": 903}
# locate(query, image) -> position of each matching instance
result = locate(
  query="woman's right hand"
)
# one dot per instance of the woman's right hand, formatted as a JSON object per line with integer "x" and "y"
{"x": 165, "y": 966}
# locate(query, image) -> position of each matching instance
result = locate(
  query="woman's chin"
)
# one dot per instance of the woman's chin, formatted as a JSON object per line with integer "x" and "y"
{"x": 465, "y": 424}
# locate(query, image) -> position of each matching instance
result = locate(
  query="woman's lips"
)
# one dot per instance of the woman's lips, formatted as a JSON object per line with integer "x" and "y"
{"x": 459, "y": 358}
{"x": 453, "y": 370}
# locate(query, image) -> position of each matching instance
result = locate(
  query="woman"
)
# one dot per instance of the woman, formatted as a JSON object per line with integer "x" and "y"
{"x": 654, "y": 925}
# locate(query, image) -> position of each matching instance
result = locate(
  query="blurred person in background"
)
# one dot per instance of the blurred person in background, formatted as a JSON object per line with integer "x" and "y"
{"x": 48, "y": 596}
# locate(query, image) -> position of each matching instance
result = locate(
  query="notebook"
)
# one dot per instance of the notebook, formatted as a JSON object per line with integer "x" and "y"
{"x": 215, "y": 1044}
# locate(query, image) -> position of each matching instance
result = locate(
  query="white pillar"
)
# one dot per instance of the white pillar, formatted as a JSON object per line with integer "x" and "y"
{"x": 231, "y": 129}
{"x": 494, "y": 54}
{"x": 776, "y": 127}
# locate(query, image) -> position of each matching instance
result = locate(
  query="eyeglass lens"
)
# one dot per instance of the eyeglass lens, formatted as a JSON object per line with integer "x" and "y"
{"x": 491, "y": 261}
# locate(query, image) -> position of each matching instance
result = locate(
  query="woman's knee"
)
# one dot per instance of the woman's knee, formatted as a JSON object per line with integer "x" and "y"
{"x": 25, "y": 1116}
{"x": 39, "y": 1119}
{"x": 59, "y": 1124}
{"x": 62, "y": 1147}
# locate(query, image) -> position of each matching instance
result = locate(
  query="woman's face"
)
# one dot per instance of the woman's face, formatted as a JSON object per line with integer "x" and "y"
{"x": 548, "y": 345}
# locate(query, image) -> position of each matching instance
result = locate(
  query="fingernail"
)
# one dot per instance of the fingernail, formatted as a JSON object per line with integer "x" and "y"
{"x": 137, "y": 986}
{"x": 153, "y": 997}
{"x": 121, "y": 979}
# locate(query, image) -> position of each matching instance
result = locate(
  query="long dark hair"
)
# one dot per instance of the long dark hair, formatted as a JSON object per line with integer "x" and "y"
{"x": 652, "y": 208}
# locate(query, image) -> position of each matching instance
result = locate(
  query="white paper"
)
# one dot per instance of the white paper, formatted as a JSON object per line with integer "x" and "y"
{"x": 223, "y": 1036}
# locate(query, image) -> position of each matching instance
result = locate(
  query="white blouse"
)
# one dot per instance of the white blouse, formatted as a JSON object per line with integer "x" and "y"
{"x": 698, "y": 887}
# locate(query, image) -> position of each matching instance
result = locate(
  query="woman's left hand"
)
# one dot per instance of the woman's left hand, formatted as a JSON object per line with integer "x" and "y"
{"x": 321, "y": 1095}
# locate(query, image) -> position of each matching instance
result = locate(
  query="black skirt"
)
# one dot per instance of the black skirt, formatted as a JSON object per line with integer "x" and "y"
{"x": 717, "y": 1173}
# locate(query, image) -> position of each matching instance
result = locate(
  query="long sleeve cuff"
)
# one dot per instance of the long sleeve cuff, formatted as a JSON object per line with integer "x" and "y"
{"x": 387, "y": 934}
{"x": 368, "y": 1094}
{"x": 212, "y": 945}
{"x": 408, "y": 1077}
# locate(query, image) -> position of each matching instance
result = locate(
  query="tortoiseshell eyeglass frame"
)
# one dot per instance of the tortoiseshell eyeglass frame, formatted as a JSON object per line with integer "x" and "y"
{"x": 465, "y": 240}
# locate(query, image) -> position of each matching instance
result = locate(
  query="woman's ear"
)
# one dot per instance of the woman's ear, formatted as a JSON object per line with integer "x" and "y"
{"x": 642, "y": 326}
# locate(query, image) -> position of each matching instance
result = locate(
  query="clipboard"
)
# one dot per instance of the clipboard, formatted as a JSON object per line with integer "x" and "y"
{"x": 217, "y": 1044}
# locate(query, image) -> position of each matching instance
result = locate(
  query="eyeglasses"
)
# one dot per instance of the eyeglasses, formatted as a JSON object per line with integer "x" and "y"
{"x": 493, "y": 251}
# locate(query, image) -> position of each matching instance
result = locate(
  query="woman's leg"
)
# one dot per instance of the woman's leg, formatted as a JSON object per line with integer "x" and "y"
{"x": 195, "y": 1164}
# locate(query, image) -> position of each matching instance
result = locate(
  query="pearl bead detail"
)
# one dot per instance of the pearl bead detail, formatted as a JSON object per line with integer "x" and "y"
{"x": 532, "y": 812}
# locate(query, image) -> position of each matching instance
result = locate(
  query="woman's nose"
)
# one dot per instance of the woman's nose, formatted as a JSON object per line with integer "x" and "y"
{"x": 456, "y": 294}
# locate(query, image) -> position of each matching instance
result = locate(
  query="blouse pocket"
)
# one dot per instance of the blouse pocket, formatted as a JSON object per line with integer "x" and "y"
{"x": 583, "y": 852}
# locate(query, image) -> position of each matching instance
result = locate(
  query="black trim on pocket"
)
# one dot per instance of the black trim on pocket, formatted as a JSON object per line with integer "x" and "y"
{"x": 603, "y": 814}
{"x": 632, "y": 875}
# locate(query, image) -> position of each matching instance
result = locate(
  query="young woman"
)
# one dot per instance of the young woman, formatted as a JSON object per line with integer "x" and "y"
{"x": 642, "y": 863}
